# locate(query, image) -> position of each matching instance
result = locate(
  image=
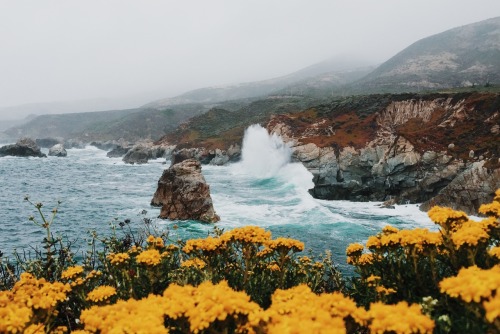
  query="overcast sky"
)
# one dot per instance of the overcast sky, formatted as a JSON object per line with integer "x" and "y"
{"x": 150, "y": 49}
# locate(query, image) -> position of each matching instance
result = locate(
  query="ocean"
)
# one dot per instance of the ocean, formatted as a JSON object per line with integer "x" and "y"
{"x": 264, "y": 189}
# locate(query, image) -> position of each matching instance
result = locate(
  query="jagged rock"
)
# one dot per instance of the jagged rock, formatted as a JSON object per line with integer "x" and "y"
{"x": 474, "y": 186}
{"x": 142, "y": 153}
{"x": 200, "y": 154}
{"x": 137, "y": 155}
{"x": 48, "y": 142}
{"x": 221, "y": 158}
{"x": 25, "y": 147}
{"x": 118, "y": 151}
{"x": 234, "y": 153}
{"x": 58, "y": 151}
{"x": 184, "y": 194}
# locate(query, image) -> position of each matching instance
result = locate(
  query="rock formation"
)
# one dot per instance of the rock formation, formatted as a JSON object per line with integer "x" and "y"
{"x": 58, "y": 151}
{"x": 184, "y": 194}
{"x": 25, "y": 147}
{"x": 413, "y": 150}
{"x": 142, "y": 152}
{"x": 118, "y": 152}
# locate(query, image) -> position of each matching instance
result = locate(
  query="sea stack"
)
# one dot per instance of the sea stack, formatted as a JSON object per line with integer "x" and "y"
{"x": 183, "y": 193}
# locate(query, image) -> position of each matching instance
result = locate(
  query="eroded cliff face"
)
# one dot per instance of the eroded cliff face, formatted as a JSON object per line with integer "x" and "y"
{"x": 441, "y": 150}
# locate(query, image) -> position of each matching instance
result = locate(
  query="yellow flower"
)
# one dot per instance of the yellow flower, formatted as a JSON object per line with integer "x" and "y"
{"x": 159, "y": 243}
{"x": 372, "y": 279}
{"x": 33, "y": 329}
{"x": 72, "y": 272}
{"x": 472, "y": 283}
{"x": 131, "y": 316}
{"x": 248, "y": 234}
{"x": 195, "y": 263}
{"x": 447, "y": 218}
{"x": 373, "y": 242}
{"x": 38, "y": 293}
{"x": 352, "y": 249}
{"x": 285, "y": 244}
{"x": 273, "y": 266}
{"x": 150, "y": 257}
{"x": 492, "y": 307}
{"x": 492, "y": 209}
{"x": 151, "y": 239}
{"x": 304, "y": 259}
{"x": 101, "y": 293}
{"x": 205, "y": 304}
{"x": 381, "y": 290}
{"x": 399, "y": 318}
{"x": 495, "y": 252}
{"x": 299, "y": 310}
{"x": 390, "y": 229}
{"x": 118, "y": 258}
{"x": 470, "y": 233}
{"x": 209, "y": 244}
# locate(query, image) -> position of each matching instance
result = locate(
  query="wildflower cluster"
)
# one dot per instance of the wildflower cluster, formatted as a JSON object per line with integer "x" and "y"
{"x": 414, "y": 265}
{"x": 30, "y": 304}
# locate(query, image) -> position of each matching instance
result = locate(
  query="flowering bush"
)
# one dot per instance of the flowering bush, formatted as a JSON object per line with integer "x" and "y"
{"x": 244, "y": 281}
{"x": 452, "y": 273}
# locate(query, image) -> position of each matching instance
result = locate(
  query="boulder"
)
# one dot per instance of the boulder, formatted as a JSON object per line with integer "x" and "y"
{"x": 200, "y": 154}
{"x": 58, "y": 151}
{"x": 221, "y": 158}
{"x": 118, "y": 152}
{"x": 143, "y": 152}
{"x": 25, "y": 147}
{"x": 137, "y": 155}
{"x": 184, "y": 194}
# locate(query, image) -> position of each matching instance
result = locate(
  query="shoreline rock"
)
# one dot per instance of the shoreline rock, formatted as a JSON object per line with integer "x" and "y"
{"x": 25, "y": 147}
{"x": 183, "y": 193}
{"x": 58, "y": 151}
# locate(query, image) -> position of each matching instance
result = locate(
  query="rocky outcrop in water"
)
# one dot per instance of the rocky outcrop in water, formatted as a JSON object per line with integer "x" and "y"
{"x": 184, "y": 194}
{"x": 58, "y": 151}
{"x": 216, "y": 156}
{"x": 118, "y": 151}
{"x": 25, "y": 147}
{"x": 143, "y": 152}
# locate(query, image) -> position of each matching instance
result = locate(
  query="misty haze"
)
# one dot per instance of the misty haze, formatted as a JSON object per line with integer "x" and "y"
{"x": 250, "y": 167}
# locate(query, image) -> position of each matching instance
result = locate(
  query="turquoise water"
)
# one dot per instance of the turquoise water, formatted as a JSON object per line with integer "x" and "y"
{"x": 96, "y": 191}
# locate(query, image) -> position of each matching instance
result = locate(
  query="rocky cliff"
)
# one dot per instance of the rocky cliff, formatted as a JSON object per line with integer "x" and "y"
{"x": 437, "y": 149}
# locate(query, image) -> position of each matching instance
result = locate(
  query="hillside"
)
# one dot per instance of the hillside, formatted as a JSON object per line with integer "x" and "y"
{"x": 131, "y": 125}
{"x": 463, "y": 56}
{"x": 330, "y": 73}
{"x": 220, "y": 127}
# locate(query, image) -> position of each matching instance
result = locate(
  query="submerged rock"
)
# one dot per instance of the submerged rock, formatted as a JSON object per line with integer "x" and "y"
{"x": 25, "y": 147}
{"x": 58, "y": 151}
{"x": 184, "y": 194}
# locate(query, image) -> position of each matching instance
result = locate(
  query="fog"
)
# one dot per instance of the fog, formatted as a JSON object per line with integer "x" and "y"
{"x": 128, "y": 53}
